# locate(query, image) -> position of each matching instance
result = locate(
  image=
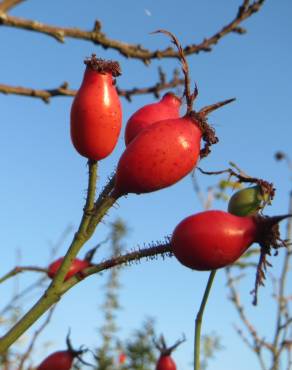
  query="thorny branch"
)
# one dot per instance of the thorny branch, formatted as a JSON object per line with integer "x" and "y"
{"x": 152, "y": 251}
{"x": 134, "y": 51}
{"x": 64, "y": 90}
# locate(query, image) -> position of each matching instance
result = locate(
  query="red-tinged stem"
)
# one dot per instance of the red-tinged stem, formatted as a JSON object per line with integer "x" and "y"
{"x": 190, "y": 97}
{"x": 210, "y": 108}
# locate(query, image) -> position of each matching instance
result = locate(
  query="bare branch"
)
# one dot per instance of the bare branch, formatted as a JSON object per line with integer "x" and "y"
{"x": 242, "y": 177}
{"x": 45, "y": 95}
{"x": 259, "y": 343}
{"x": 6, "y": 5}
{"x": 135, "y": 51}
{"x": 190, "y": 97}
{"x": 17, "y": 270}
{"x": 16, "y": 298}
{"x": 281, "y": 328}
{"x": 63, "y": 90}
{"x": 161, "y": 85}
{"x": 243, "y": 337}
{"x": 54, "y": 248}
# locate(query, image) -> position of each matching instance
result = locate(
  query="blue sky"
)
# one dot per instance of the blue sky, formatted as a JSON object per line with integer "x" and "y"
{"x": 44, "y": 180}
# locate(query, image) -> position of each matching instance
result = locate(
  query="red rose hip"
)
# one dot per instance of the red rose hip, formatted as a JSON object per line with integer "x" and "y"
{"x": 61, "y": 360}
{"x": 76, "y": 266}
{"x": 160, "y": 156}
{"x": 96, "y": 114}
{"x": 167, "y": 107}
{"x": 213, "y": 239}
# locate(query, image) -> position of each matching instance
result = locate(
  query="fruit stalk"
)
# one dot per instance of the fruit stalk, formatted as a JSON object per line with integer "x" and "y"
{"x": 199, "y": 320}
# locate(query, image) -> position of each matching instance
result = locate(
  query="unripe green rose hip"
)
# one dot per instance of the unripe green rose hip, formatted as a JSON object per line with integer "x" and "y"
{"x": 247, "y": 202}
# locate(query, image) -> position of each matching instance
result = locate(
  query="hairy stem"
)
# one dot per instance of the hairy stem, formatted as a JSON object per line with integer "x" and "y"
{"x": 50, "y": 297}
{"x": 80, "y": 237}
{"x": 125, "y": 259}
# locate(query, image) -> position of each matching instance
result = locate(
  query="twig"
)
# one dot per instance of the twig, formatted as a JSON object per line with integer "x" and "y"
{"x": 266, "y": 187}
{"x": 18, "y": 269}
{"x": 258, "y": 342}
{"x": 6, "y": 5}
{"x": 156, "y": 89}
{"x": 64, "y": 91}
{"x": 53, "y": 251}
{"x": 22, "y": 294}
{"x": 243, "y": 337}
{"x": 250, "y": 346}
{"x": 34, "y": 338}
{"x": 281, "y": 295}
{"x": 190, "y": 97}
{"x": 133, "y": 50}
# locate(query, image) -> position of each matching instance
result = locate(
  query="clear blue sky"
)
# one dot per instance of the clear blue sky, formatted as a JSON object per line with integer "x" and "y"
{"x": 44, "y": 180}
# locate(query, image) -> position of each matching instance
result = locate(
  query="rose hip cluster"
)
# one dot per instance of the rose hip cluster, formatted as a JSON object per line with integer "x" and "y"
{"x": 162, "y": 147}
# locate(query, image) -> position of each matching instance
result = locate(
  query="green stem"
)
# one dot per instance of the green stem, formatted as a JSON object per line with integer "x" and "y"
{"x": 92, "y": 215}
{"x": 43, "y": 304}
{"x": 199, "y": 320}
{"x": 80, "y": 237}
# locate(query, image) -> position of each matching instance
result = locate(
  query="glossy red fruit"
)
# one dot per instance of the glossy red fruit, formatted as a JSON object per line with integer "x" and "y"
{"x": 76, "y": 266}
{"x": 61, "y": 360}
{"x": 167, "y": 107}
{"x": 96, "y": 114}
{"x": 213, "y": 239}
{"x": 159, "y": 156}
{"x": 165, "y": 363}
